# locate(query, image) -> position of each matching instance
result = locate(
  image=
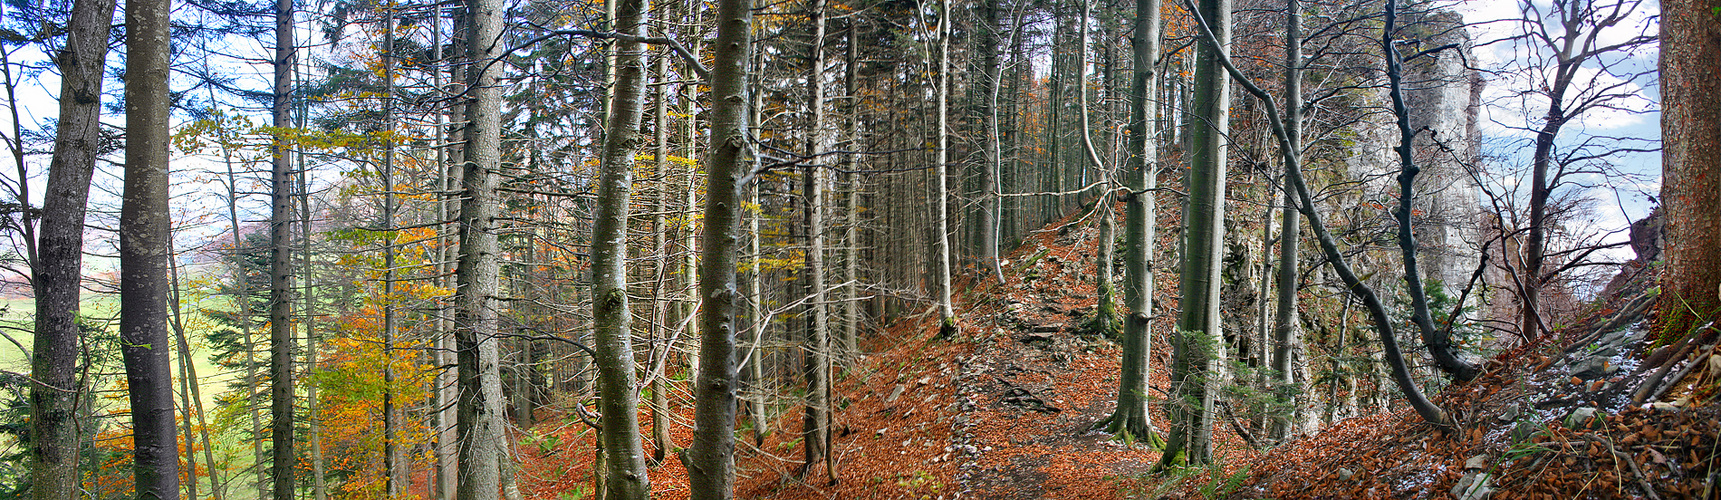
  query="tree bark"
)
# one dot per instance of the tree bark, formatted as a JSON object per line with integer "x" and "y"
{"x": 1132, "y": 421}
{"x": 450, "y": 163}
{"x": 58, "y": 267}
{"x": 851, "y": 228}
{"x": 284, "y": 460}
{"x": 624, "y": 456}
{"x": 482, "y": 436}
{"x": 711, "y": 460}
{"x": 1198, "y": 353}
{"x": 992, "y": 142}
{"x": 1287, "y": 341}
{"x": 941, "y": 241}
{"x": 816, "y": 425}
{"x": 394, "y": 473}
{"x": 1104, "y": 321}
{"x": 1691, "y": 151}
{"x": 144, "y": 237}
{"x": 660, "y": 308}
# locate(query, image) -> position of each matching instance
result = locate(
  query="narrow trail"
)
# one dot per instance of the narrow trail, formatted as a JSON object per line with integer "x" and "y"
{"x": 1003, "y": 411}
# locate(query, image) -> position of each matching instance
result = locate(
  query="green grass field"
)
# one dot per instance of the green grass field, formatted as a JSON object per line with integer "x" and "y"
{"x": 15, "y": 323}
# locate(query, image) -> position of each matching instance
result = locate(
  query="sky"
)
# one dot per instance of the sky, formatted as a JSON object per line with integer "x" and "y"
{"x": 1625, "y": 193}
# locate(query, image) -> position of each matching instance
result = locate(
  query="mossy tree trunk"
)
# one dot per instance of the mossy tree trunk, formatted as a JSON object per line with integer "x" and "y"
{"x": 57, "y": 258}
{"x": 1132, "y": 420}
{"x": 625, "y": 476}
{"x": 1198, "y": 348}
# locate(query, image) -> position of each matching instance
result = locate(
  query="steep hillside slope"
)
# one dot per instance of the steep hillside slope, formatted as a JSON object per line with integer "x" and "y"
{"x": 1003, "y": 411}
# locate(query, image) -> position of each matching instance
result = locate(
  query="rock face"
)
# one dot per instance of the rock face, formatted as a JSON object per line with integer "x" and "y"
{"x": 1443, "y": 98}
{"x": 1646, "y": 237}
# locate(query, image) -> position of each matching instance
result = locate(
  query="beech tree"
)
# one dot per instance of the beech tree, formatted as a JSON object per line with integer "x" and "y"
{"x": 624, "y": 457}
{"x": 1287, "y": 344}
{"x": 711, "y": 458}
{"x": 1198, "y": 344}
{"x": 57, "y": 269}
{"x": 1132, "y": 420}
{"x": 144, "y": 237}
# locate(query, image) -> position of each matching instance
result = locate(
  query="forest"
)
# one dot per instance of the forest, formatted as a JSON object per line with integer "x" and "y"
{"x": 714, "y": 249}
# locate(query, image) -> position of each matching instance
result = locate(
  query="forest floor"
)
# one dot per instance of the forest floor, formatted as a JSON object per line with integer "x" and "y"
{"x": 1004, "y": 411}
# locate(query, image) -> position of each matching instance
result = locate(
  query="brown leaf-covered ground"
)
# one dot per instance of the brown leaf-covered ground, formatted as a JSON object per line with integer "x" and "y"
{"x": 1003, "y": 411}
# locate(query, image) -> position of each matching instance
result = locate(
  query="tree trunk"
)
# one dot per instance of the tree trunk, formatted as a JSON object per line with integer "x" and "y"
{"x": 1104, "y": 321}
{"x": 624, "y": 456}
{"x": 1198, "y": 353}
{"x": 992, "y": 142}
{"x": 711, "y": 460}
{"x": 659, "y": 308}
{"x": 1691, "y": 184}
{"x": 144, "y": 236}
{"x": 58, "y": 266}
{"x": 816, "y": 426}
{"x": 1287, "y": 341}
{"x": 284, "y": 460}
{"x": 482, "y": 436}
{"x": 1131, "y": 420}
{"x": 319, "y": 484}
{"x": 761, "y": 388}
{"x": 689, "y": 263}
{"x": 451, "y": 160}
{"x": 851, "y": 228}
{"x": 941, "y": 242}
{"x": 187, "y": 384}
{"x": 1438, "y": 341}
{"x": 242, "y": 304}
{"x": 394, "y": 475}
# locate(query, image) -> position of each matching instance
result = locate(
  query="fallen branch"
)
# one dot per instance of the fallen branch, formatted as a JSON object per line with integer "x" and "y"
{"x": 1649, "y": 385}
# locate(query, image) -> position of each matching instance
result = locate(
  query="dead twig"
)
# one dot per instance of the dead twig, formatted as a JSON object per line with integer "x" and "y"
{"x": 1629, "y": 463}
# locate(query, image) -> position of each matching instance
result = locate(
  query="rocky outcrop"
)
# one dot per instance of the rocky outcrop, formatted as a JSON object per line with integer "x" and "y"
{"x": 1443, "y": 97}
